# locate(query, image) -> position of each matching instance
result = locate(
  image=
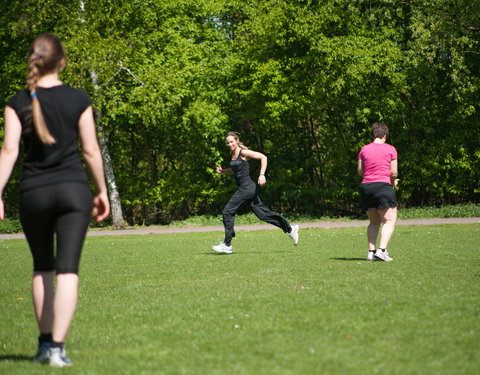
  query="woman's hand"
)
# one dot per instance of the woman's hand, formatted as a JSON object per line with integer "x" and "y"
{"x": 101, "y": 207}
{"x": 262, "y": 180}
{"x": 219, "y": 169}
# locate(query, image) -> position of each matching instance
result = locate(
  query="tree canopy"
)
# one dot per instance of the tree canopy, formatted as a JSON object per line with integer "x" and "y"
{"x": 302, "y": 81}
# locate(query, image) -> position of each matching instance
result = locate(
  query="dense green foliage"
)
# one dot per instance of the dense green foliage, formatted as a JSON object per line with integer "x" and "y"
{"x": 166, "y": 305}
{"x": 10, "y": 226}
{"x": 301, "y": 80}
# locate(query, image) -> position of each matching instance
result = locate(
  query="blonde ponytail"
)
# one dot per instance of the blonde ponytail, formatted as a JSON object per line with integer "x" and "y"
{"x": 47, "y": 60}
{"x": 39, "y": 122}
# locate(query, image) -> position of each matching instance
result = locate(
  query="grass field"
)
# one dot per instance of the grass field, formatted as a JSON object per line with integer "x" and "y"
{"x": 166, "y": 304}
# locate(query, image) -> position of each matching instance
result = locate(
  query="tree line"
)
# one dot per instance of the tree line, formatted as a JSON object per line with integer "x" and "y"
{"x": 302, "y": 81}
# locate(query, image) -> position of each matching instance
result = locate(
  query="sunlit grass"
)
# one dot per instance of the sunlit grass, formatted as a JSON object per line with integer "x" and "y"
{"x": 166, "y": 304}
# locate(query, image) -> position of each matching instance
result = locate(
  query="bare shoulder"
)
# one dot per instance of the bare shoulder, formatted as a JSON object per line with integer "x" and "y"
{"x": 250, "y": 154}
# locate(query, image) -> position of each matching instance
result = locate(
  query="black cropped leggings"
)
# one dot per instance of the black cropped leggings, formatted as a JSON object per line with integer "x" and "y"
{"x": 63, "y": 210}
{"x": 244, "y": 194}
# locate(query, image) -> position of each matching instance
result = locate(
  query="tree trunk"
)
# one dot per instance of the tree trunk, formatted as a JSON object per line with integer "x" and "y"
{"x": 115, "y": 203}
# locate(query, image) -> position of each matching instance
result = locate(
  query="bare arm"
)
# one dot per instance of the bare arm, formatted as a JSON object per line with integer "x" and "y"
{"x": 93, "y": 158}
{"x": 394, "y": 172}
{"x": 360, "y": 170}
{"x": 9, "y": 152}
{"x": 394, "y": 168}
{"x": 224, "y": 170}
{"x": 263, "y": 166}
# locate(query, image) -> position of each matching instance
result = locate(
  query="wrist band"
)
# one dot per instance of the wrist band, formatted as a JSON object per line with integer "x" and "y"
{"x": 33, "y": 95}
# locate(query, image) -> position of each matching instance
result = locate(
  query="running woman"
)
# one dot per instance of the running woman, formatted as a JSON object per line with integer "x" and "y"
{"x": 247, "y": 191}
{"x": 377, "y": 164}
{"x": 55, "y": 199}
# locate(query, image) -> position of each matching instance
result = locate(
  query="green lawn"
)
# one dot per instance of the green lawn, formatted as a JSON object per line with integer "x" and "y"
{"x": 165, "y": 304}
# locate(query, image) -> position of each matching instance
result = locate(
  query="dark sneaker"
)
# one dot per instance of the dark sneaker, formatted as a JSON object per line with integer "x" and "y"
{"x": 43, "y": 352}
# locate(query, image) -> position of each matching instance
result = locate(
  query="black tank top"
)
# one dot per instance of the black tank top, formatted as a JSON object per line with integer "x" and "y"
{"x": 241, "y": 168}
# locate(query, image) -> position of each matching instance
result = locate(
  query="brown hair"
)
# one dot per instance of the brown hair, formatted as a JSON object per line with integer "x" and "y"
{"x": 379, "y": 130}
{"x": 46, "y": 55}
{"x": 236, "y": 136}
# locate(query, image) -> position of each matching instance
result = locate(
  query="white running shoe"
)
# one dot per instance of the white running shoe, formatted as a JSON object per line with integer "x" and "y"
{"x": 389, "y": 259}
{"x": 223, "y": 248}
{"x": 58, "y": 358}
{"x": 370, "y": 255}
{"x": 382, "y": 255}
{"x": 294, "y": 234}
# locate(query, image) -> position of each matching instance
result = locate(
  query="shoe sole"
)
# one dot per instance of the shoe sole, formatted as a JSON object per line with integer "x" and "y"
{"x": 378, "y": 259}
{"x": 222, "y": 251}
{"x": 60, "y": 365}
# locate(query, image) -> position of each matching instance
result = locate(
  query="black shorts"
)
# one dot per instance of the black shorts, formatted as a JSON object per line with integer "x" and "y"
{"x": 376, "y": 195}
{"x": 56, "y": 213}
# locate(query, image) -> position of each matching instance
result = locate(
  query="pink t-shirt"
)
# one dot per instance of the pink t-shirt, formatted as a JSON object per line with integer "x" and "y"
{"x": 376, "y": 159}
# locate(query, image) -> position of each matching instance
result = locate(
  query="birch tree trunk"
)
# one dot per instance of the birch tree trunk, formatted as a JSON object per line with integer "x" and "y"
{"x": 115, "y": 203}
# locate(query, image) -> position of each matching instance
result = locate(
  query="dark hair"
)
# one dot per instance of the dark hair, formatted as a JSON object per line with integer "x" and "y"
{"x": 237, "y": 138}
{"x": 379, "y": 130}
{"x": 45, "y": 56}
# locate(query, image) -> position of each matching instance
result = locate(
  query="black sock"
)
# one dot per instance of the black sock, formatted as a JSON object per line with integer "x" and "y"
{"x": 60, "y": 345}
{"x": 382, "y": 249}
{"x": 372, "y": 251}
{"x": 45, "y": 337}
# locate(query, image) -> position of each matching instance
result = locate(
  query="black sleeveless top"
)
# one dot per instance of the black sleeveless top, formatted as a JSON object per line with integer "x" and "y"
{"x": 43, "y": 164}
{"x": 241, "y": 168}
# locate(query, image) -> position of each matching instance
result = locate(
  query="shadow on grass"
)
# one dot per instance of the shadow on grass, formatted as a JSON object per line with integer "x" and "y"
{"x": 350, "y": 259}
{"x": 15, "y": 358}
{"x": 245, "y": 252}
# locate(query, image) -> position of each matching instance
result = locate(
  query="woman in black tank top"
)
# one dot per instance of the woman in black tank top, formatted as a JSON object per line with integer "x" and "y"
{"x": 247, "y": 191}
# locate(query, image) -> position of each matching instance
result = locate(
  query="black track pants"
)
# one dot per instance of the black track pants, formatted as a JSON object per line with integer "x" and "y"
{"x": 244, "y": 194}
{"x": 63, "y": 209}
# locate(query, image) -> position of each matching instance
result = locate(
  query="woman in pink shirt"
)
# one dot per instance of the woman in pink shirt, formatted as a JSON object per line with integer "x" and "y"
{"x": 377, "y": 164}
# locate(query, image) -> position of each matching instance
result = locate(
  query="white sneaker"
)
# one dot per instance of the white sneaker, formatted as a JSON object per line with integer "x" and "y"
{"x": 58, "y": 358}
{"x": 223, "y": 248}
{"x": 389, "y": 259}
{"x": 370, "y": 255}
{"x": 294, "y": 234}
{"x": 382, "y": 255}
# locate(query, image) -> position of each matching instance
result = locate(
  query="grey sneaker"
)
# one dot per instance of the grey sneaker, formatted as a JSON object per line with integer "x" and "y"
{"x": 43, "y": 352}
{"x": 58, "y": 358}
{"x": 223, "y": 248}
{"x": 370, "y": 255}
{"x": 294, "y": 234}
{"x": 382, "y": 255}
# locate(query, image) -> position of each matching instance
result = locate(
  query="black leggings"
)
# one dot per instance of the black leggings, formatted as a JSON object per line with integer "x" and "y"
{"x": 63, "y": 209}
{"x": 249, "y": 193}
